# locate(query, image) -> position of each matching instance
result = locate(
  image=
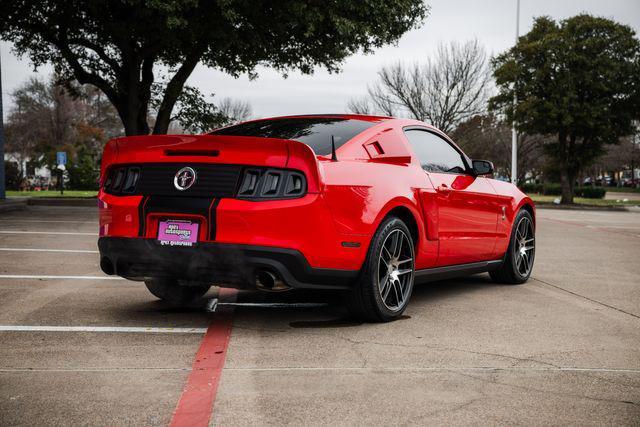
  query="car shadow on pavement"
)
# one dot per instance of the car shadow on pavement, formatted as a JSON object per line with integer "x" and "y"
{"x": 331, "y": 313}
{"x": 449, "y": 288}
{"x": 302, "y": 308}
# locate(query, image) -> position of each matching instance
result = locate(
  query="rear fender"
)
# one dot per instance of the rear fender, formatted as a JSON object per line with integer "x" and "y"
{"x": 426, "y": 250}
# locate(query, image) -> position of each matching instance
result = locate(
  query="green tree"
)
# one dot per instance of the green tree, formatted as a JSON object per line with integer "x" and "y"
{"x": 192, "y": 112}
{"x": 117, "y": 45}
{"x": 84, "y": 172}
{"x": 578, "y": 80}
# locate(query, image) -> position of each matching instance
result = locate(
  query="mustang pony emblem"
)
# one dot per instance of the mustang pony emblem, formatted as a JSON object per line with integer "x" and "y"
{"x": 184, "y": 178}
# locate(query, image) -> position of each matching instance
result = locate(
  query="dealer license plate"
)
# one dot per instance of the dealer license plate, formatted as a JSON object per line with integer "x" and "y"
{"x": 178, "y": 233}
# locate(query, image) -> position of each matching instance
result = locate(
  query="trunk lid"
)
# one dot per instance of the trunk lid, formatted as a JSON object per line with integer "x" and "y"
{"x": 215, "y": 149}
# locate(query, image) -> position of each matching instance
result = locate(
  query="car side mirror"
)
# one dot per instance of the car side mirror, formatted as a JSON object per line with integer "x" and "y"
{"x": 482, "y": 167}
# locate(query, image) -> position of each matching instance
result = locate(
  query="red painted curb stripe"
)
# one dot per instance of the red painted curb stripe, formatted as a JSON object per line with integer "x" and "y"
{"x": 195, "y": 406}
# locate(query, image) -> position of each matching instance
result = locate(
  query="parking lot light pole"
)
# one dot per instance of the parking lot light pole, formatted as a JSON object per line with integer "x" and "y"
{"x": 514, "y": 132}
{"x": 2, "y": 177}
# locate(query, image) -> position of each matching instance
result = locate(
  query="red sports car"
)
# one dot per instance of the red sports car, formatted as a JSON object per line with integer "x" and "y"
{"x": 361, "y": 204}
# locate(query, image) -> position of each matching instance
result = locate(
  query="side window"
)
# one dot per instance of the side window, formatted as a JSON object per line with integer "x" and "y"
{"x": 435, "y": 154}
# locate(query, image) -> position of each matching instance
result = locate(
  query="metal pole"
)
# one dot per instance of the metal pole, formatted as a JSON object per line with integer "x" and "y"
{"x": 2, "y": 177}
{"x": 514, "y": 133}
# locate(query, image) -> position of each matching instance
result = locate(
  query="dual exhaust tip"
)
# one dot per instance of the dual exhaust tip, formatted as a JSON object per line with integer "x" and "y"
{"x": 266, "y": 280}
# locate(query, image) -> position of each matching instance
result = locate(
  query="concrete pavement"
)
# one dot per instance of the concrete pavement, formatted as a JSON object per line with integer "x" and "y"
{"x": 560, "y": 349}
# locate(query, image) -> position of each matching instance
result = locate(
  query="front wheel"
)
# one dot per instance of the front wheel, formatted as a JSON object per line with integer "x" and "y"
{"x": 518, "y": 260}
{"x": 168, "y": 289}
{"x": 385, "y": 284}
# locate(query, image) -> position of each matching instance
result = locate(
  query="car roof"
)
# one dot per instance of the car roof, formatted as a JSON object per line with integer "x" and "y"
{"x": 364, "y": 117}
{"x": 378, "y": 122}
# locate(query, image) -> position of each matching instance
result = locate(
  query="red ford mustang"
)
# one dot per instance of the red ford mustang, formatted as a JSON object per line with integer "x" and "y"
{"x": 366, "y": 205}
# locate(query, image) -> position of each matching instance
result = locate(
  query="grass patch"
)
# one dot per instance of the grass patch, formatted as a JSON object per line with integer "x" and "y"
{"x": 52, "y": 193}
{"x": 582, "y": 201}
{"x": 622, "y": 190}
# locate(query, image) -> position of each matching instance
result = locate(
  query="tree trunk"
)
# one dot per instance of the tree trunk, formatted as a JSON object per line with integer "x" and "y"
{"x": 134, "y": 125}
{"x": 567, "y": 179}
{"x": 132, "y": 116}
{"x": 171, "y": 93}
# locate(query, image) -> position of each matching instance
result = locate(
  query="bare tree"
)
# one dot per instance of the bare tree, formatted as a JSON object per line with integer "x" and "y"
{"x": 360, "y": 106}
{"x": 235, "y": 110}
{"x": 48, "y": 117}
{"x": 623, "y": 156}
{"x": 444, "y": 91}
{"x": 488, "y": 137}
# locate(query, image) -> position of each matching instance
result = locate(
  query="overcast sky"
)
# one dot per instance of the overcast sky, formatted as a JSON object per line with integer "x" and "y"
{"x": 492, "y": 22}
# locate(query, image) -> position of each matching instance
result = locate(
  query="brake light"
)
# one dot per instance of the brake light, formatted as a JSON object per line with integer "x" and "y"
{"x": 122, "y": 180}
{"x": 260, "y": 184}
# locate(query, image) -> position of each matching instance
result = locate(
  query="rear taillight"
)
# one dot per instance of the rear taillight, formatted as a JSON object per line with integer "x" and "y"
{"x": 264, "y": 184}
{"x": 255, "y": 183}
{"x": 122, "y": 180}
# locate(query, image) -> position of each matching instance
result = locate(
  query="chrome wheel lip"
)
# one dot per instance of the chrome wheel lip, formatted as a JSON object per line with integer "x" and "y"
{"x": 524, "y": 247}
{"x": 395, "y": 270}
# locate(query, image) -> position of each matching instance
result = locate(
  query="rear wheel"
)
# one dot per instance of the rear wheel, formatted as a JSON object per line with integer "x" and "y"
{"x": 168, "y": 289}
{"x": 518, "y": 260}
{"x": 385, "y": 284}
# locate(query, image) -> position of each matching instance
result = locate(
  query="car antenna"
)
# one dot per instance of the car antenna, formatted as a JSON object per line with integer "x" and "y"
{"x": 334, "y": 158}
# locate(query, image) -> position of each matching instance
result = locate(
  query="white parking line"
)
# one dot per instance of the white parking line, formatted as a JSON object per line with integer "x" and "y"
{"x": 29, "y": 276}
{"x": 434, "y": 369}
{"x": 135, "y": 329}
{"x": 66, "y": 233}
{"x": 125, "y": 368}
{"x": 72, "y": 251}
{"x": 338, "y": 369}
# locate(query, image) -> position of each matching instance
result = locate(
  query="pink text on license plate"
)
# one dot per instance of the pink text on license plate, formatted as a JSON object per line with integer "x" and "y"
{"x": 178, "y": 233}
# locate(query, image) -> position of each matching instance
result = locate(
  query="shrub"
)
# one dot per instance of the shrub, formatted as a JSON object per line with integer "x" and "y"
{"x": 84, "y": 174}
{"x": 531, "y": 188}
{"x": 12, "y": 176}
{"x": 545, "y": 189}
{"x": 553, "y": 189}
{"x": 590, "y": 192}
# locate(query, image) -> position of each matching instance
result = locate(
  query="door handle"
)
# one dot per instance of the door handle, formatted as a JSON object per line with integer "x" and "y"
{"x": 443, "y": 188}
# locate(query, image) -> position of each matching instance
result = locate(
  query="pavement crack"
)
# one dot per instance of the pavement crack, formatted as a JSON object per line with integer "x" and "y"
{"x": 439, "y": 348}
{"x": 538, "y": 390}
{"x": 422, "y": 419}
{"x": 586, "y": 298}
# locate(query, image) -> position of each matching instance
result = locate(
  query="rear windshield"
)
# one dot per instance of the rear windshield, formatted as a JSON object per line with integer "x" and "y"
{"x": 316, "y": 132}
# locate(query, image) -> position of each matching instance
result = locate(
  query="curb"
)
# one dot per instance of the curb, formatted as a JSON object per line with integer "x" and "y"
{"x": 12, "y": 204}
{"x": 582, "y": 207}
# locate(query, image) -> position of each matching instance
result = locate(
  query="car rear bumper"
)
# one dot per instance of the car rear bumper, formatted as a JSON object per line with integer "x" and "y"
{"x": 222, "y": 264}
{"x": 304, "y": 224}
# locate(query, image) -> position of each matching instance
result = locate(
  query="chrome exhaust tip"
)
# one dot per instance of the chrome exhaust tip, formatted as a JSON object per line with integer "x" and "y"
{"x": 268, "y": 281}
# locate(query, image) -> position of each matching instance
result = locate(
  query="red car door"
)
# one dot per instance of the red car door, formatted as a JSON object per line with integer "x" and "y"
{"x": 467, "y": 205}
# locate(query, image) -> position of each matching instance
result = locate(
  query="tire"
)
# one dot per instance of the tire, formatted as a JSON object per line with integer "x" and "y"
{"x": 384, "y": 287}
{"x": 169, "y": 290}
{"x": 518, "y": 260}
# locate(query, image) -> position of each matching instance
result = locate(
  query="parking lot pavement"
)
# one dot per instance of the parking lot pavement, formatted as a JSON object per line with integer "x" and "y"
{"x": 562, "y": 348}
